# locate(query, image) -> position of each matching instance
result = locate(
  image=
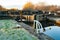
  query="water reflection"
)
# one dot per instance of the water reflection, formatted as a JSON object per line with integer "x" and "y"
{"x": 52, "y": 31}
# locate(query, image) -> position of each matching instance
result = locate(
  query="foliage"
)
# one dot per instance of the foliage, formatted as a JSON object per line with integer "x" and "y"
{"x": 28, "y": 5}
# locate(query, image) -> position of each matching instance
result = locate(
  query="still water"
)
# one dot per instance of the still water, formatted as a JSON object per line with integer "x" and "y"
{"x": 53, "y": 31}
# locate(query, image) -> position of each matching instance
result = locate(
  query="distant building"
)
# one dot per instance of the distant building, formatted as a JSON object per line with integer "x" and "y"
{"x": 28, "y": 15}
{"x": 4, "y": 13}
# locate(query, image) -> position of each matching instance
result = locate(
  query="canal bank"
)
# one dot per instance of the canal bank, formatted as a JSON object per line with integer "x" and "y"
{"x": 40, "y": 36}
{"x": 55, "y": 19}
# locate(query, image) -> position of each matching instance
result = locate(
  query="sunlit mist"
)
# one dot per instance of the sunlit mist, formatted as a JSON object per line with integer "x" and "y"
{"x": 20, "y": 3}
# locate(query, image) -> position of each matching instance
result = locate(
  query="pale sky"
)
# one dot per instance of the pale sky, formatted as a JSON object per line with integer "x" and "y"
{"x": 19, "y": 3}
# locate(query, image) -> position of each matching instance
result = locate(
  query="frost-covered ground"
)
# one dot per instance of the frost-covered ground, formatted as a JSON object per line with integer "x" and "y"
{"x": 7, "y": 31}
{"x": 7, "y": 23}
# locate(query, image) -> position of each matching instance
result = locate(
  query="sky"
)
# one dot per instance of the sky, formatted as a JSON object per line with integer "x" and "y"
{"x": 20, "y": 3}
